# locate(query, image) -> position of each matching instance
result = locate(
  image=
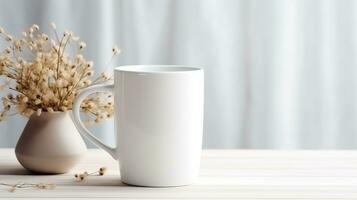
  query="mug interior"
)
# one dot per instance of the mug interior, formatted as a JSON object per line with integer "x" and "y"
{"x": 156, "y": 68}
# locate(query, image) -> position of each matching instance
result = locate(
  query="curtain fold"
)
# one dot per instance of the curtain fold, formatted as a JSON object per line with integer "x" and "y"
{"x": 278, "y": 74}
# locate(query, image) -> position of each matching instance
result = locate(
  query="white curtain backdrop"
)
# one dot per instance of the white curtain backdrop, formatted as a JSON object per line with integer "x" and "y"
{"x": 279, "y": 73}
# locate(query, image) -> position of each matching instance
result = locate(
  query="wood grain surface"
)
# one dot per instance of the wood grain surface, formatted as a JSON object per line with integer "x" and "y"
{"x": 225, "y": 174}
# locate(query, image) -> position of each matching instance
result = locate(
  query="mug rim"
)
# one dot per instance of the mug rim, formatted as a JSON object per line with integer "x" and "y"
{"x": 157, "y": 69}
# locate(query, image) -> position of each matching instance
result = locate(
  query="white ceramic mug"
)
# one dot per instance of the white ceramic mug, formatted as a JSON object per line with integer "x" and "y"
{"x": 158, "y": 123}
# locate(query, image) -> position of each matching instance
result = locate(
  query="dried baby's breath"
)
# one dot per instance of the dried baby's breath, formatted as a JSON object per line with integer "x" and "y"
{"x": 102, "y": 171}
{"x": 44, "y": 77}
{"x": 116, "y": 50}
{"x": 81, "y": 176}
{"x": 14, "y": 187}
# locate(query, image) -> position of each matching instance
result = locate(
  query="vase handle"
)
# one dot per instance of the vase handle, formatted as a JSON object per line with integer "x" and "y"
{"x": 77, "y": 120}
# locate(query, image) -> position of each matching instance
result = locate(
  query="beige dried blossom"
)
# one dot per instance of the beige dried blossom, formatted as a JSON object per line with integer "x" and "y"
{"x": 82, "y": 45}
{"x": 116, "y": 50}
{"x": 44, "y": 77}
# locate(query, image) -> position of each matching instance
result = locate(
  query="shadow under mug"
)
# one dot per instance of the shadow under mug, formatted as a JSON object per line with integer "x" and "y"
{"x": 158, "y": 123}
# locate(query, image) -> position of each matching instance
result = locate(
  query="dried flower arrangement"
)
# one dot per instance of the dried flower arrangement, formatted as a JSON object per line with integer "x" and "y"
{"x": 45, "y": 77}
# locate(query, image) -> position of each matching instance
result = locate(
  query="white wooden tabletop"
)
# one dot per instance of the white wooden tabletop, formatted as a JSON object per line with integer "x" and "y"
{"x": 225, "y": 174}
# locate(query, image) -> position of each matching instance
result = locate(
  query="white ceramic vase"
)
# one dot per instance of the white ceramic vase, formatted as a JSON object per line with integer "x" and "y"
{"x": 50, "y": 144}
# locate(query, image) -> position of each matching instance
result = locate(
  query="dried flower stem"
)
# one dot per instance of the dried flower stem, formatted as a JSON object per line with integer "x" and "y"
{"x": 81, "y": 176}
{"x": 13, "y": 187}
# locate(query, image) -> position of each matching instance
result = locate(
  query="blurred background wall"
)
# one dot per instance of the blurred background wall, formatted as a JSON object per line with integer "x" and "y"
{"x": 279, "y": 73}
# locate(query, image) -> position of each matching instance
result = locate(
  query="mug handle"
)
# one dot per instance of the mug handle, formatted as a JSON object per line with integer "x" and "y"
{"x": 77, "y": 120}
